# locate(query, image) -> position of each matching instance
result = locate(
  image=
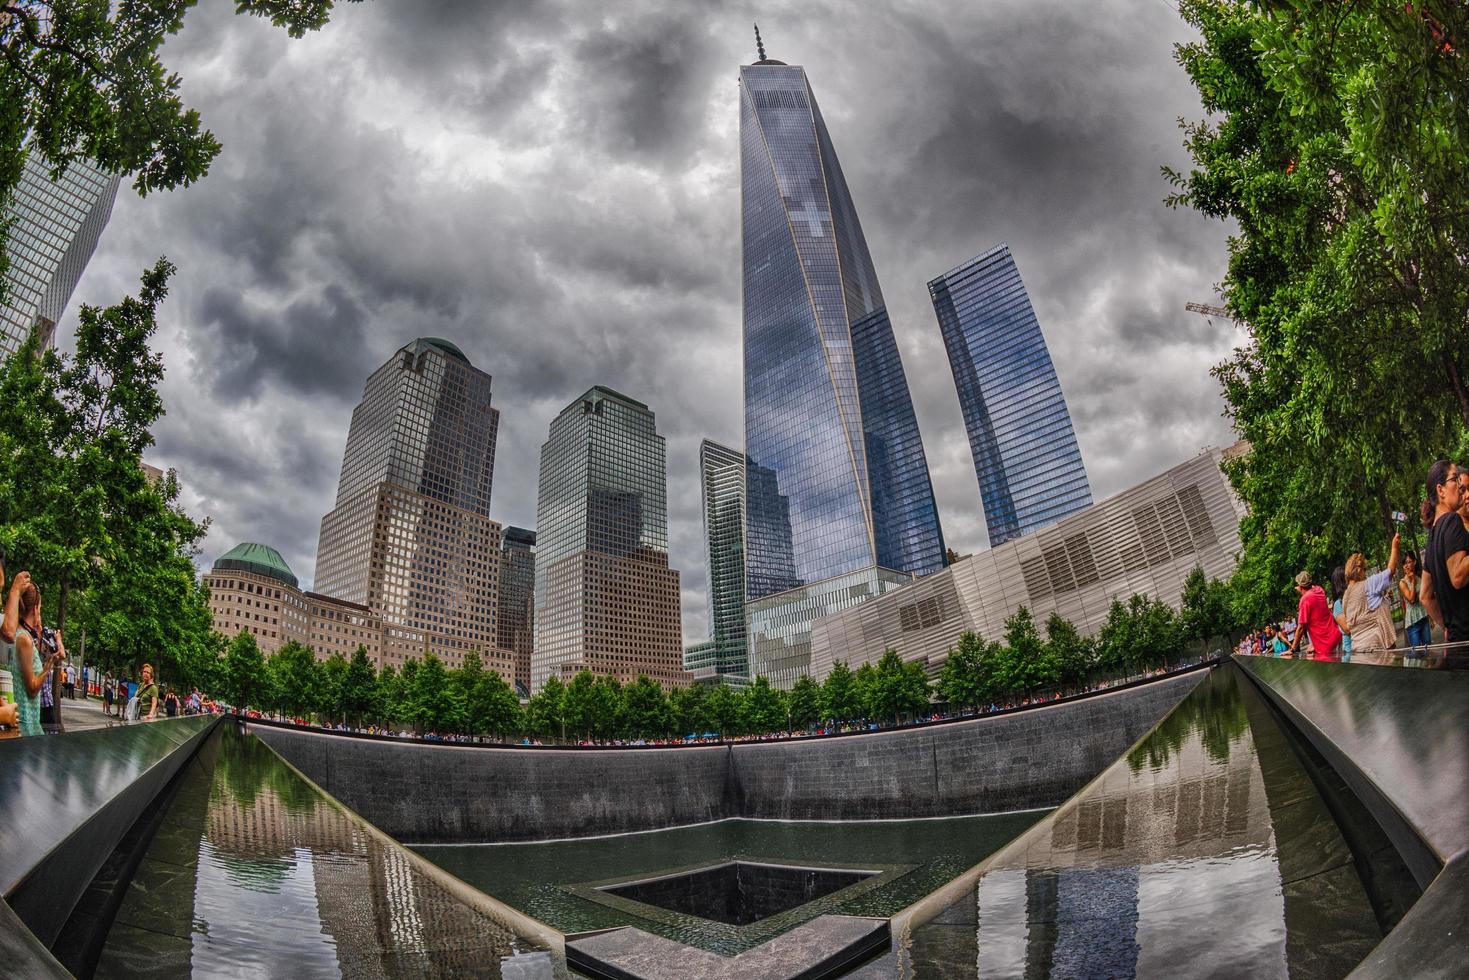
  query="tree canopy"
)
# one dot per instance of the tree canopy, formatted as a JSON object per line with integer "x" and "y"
{"x": 1335, "y": 142}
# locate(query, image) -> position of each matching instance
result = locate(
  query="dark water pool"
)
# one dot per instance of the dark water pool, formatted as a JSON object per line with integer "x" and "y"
{"x": 554, "y": 881}
{"x": 1207, "y": 851}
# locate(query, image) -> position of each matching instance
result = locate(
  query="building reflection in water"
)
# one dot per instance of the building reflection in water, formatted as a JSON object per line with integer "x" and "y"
{"x": 254, "y": 873}
{"x": 1206, "y": 851}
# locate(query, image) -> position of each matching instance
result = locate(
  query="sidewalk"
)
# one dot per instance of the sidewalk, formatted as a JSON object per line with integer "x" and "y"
{"x": 81, "y": 715}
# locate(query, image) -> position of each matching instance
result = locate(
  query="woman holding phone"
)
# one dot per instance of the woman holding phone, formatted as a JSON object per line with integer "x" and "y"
{"x": 29, "y": 670}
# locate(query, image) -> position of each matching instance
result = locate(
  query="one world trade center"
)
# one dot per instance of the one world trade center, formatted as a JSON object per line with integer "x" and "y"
{"x": 839, "y": 506}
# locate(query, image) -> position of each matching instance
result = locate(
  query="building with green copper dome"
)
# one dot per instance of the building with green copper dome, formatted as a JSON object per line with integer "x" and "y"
{"x": 247, "y": 556}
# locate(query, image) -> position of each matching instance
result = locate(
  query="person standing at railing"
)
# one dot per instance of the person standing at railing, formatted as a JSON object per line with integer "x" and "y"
{"x": 1366, "y": 607}
{"x": 1416, "y": 626}
{"x": 1445, "y": 593}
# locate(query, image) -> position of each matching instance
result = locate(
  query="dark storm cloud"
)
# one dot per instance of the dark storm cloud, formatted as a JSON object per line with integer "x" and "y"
{"x": 554, "y": 187}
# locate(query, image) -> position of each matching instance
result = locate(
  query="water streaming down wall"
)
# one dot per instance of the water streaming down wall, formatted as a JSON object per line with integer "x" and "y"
{"x": 448, "y": 794}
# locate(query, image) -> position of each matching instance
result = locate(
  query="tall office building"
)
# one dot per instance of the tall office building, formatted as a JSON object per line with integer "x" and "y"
{"x": 840, "y": 506}
{"x": 722, "y": 478}
{"x": 1025, "y": 453}
{"x": 410, "y": 536}
{"x": 606, "y": 600}
{"x": 516, "y": 615}
{"x": 54, "y": 230}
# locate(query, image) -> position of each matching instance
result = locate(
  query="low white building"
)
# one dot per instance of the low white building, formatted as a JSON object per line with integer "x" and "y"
{"x": 1143, "y": 540}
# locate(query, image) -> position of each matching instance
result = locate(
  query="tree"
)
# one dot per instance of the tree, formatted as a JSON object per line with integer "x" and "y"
{"x": 762, "y": 708}
{"x": 358, "y": 699}
{"x": 245, "y": 682}
{"x": 864, "y": 687}
{"x": 1335, "y": 145}
{"x": 645, "y": 708}
{"x": 438, "y": 704}
{"x": 689, "y": 709}
{"x": 390, "y": 700}
{"x": 1205, "y": 608}
{"x": 1029, "y": 660}
{"x": 966, "y": 679}
{"x": 1071, "y": 655}
{"x": 295, "y": 680}
{"x": 331, "y": 675}
{"x": 607, "y": 708}
{"x": 582, "y": 704}
{"x": 896, "y": 687}
{"x": 723, "y": 708}
{"x": 77, "y": 509}
{"x": 491, "y": 706}
{"x": 405, "y": 699}
{"x": 546, "y": 713}
{"x": 804, "y": 702}
{"x": 839, "y": 698}
{"x": 85, "y": 81}
{"x": 1141, "y": 634}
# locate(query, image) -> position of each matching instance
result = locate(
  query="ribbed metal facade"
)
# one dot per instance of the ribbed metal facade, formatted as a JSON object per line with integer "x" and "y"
{"x": 1143, "y": 540}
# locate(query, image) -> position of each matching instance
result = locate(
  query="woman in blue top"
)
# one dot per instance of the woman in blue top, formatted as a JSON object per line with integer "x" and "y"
{"x": 1339, "y": 589}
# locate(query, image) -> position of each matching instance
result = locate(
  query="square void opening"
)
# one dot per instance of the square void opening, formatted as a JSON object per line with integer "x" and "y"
{"x": 740, "y": 892}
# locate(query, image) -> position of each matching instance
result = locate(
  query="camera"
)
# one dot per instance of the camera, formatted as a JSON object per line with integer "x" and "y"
{"x": 48, "y": 639}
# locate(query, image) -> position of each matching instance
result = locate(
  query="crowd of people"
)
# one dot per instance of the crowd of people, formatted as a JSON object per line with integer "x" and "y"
{"x": 1357, "y": 621}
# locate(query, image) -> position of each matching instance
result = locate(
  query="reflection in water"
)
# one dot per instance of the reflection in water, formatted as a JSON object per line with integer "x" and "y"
{"x": 1206, "y": 851}
{"x": 253, "y": 873}
{"x": 534, "y": 877}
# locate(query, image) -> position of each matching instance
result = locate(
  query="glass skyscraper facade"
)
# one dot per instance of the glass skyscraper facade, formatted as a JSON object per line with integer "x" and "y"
{"x": 55, "y": 225}
{"x": 1025, "y": 452}
{"x": 722, "y": 479}
{"x": 410, "y": 536}
{"x": 515, "y": 620}
{"x": 605, "y": 598}
{"x": 837, "y": 482}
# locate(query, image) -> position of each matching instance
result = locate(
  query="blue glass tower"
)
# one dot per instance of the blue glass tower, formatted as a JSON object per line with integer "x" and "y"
{"x": 1025, "y": 453}
{"x": 837, "y": 481}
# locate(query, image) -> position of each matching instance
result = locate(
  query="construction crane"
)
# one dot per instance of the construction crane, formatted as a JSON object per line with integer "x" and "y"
{"x": 1208, "y": 310}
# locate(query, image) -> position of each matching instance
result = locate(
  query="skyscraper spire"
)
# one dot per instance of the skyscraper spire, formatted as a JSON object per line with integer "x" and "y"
{"x": 759, "y": 45}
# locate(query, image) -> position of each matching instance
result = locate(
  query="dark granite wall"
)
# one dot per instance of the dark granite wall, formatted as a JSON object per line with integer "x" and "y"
{"x": 443, "y": 794}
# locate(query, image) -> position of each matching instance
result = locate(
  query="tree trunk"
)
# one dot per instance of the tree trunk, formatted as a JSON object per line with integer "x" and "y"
{"x": 56, "y": 673}
{"x": 1456, "y": 383}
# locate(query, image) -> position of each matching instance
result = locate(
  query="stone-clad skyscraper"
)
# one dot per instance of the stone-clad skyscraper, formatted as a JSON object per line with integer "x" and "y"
{"x": 410, "y": 536}
{"x": 840, "y": 506}
{"x": 606, "y": 600}
{"x": 56, "y": 225}
{"x": 1025, "y": 453}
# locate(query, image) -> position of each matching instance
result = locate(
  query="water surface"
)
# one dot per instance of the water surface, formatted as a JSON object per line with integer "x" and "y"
{"x": 916, "y": 857}
{"x": 1207, "y": 851}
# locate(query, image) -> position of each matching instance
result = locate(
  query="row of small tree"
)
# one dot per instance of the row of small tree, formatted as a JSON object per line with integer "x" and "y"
{"x": 427, "y": 696}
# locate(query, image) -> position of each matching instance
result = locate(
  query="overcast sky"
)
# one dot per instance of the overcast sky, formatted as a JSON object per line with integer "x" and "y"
{"x": 553, "y": 186}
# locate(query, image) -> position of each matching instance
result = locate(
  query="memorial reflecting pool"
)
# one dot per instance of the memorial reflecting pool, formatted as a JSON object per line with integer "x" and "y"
{"x": 1220, "y": 845}
{"x": 1207, "y": 851}
{"x": 254, "y": 873}
{"x": 557, "y": 882}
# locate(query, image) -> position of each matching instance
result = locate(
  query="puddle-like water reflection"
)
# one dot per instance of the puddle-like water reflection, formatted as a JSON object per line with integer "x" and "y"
{"x": 1205, "y": 852}
{"x": 255, "y": 874}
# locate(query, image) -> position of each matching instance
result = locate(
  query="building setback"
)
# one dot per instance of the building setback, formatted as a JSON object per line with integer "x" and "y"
{"x": 55, "y": 228}
{"x": 1025, "y": 453}
{"x": 605, "y": 598}
{"x": 410, "y": 536}
{"x": 839, "y": 502}
{"x": 515, "y": 621}
{"x": 1143, "y": 540}
{"x": 722, "y": 480}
